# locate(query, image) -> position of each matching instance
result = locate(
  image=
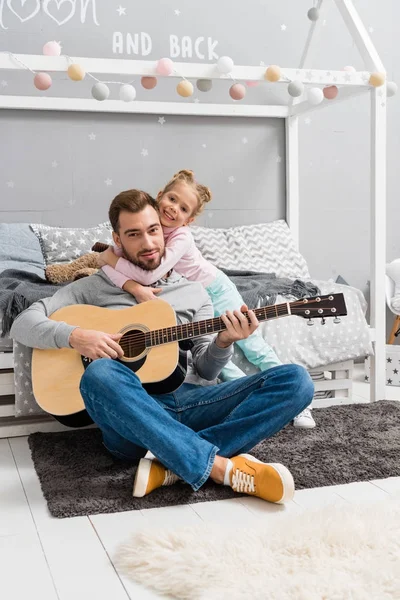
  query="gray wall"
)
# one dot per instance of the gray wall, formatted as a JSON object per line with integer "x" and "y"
{"x": 61, "y": 175}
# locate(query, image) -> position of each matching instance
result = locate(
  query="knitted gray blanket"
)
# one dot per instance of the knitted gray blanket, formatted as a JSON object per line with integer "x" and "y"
{"x": 261, "y": 289}
{"x": 18, "y": 290}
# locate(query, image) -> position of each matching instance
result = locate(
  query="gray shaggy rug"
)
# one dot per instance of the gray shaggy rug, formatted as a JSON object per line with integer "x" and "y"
{"x": 358, "y": 442}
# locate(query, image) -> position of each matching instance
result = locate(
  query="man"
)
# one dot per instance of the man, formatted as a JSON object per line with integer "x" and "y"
{"x": 200, "y": 430}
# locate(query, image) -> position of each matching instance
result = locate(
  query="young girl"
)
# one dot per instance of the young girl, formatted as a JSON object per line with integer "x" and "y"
{"x": 179, "y": 203}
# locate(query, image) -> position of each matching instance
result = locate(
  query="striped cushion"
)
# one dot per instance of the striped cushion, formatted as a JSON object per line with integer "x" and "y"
{"x": 265, "y": 247}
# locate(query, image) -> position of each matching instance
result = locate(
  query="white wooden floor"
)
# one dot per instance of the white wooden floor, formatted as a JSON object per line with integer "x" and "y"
{"x": 71, "y": 559}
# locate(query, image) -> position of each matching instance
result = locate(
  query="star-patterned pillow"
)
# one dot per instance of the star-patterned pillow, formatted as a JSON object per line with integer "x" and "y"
{"x": 64, "y": 244}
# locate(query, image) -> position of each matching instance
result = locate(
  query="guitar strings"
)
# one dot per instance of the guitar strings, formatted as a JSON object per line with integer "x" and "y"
{"x": 129, "y": 339}
{"x": 139, "y": 335}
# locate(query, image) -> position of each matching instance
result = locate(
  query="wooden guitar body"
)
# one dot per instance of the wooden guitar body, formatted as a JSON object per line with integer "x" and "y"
{"x": 56, "y": 373}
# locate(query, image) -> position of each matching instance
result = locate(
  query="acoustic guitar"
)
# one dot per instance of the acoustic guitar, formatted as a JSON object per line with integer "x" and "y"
{"x": 153, "y": 346}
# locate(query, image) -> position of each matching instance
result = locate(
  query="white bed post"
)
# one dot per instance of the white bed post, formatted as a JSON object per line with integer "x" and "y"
{"x": 378, "y": 241}
{"x": 378, "y": 197}
{"x": 292, "y": 177}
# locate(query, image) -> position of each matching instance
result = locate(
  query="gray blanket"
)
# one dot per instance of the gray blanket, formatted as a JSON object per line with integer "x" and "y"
{"x": 18, "y": 290}
{"x": 261, "y": 289}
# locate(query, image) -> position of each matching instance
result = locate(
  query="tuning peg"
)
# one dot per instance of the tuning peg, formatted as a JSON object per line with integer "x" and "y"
{"x": 336, "y": 320}
{"x": 310, "y": 322}
{"x": 323, "y": 321}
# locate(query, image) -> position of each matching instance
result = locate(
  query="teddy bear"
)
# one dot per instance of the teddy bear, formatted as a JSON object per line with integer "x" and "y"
{"x": 81, "y": 267}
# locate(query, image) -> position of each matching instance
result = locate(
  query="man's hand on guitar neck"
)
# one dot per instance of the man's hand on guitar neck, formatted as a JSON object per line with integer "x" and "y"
{"x": 238, "y": 326}
{"x": 96, "y": 344}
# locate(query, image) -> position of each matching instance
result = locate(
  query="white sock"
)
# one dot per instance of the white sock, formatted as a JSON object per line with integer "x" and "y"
{"x": 227, "y": 479}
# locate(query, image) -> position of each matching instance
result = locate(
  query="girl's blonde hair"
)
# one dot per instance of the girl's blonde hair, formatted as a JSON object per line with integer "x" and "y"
{"x": 203, "y": 193}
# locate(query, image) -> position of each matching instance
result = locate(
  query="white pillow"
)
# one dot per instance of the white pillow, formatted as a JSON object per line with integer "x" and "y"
{"x": 393, "y": 270}
{"x": 265, "y": 247}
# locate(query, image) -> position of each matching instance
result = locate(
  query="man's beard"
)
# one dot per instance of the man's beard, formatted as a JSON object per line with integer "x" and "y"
{"x": 146, "y": 266}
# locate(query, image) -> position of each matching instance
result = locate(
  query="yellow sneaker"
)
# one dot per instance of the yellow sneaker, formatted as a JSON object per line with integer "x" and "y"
{"x": 270, "y": 481}
{"x": 151, "y": 475}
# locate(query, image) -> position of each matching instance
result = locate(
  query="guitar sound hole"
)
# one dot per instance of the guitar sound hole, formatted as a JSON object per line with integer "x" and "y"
{"x": 133, "y": 343}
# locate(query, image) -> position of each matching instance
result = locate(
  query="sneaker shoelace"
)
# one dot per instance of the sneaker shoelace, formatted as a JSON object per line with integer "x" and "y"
{"x": 243, "y": 482}
{"x": 170, "y": 477}
{"x": 305, "y": 413}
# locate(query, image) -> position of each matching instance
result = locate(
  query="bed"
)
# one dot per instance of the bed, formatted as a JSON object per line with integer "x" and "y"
{"x": 327, "y": 351}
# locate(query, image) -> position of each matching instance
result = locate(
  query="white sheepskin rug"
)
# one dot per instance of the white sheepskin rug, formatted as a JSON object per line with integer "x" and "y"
{"x": 337, "y": 553}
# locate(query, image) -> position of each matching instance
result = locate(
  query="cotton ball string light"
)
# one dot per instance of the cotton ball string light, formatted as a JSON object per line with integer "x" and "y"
{"x": 391, "y": 88}
{"x": 165, "y": 66}
{"x": 52, "y": 49}
{"x": 42, "y": 81}
{"x": 273, "y": 73}
{"x": 76, "y": 72}
{"x": 315, "y": 96}
{"x": 225, "y": 65}
{"x": 237, "y": 91}
{"x": 185, "y": 88}
{"x": 313, "y": 14}
{"x": 127, "y": 93}
{"x": 349, "y": 69}
{"x": 149, "y": 83}
{"x": 204, "y": 85}
{"x": 330, "y": 92}
{"x": 100, "y": 91}
{"x": 295, "y": 89}
{"x": 377, "y": 79}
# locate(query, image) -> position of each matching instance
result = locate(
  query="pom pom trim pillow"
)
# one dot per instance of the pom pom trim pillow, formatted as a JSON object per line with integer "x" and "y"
{"x": 64, "y": 244}
{"x": 264, "y": 247}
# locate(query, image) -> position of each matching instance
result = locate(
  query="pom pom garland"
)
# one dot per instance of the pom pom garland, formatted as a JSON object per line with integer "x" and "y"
{"x": 42, "y": 81}
{"x": 273, "y": 73}
{"x": 165, "y": 66}
{"x": 127, "y": 93}
{"x": 149, "y": 83}
{"x": 315, "y": 96}
{"x": 313, "y": 14}
{"x": 225, "y": 65}
{"x": 76, "y": 72}
{"x": 185, "y": 88}
{"x": 237, "y": 91}
{"x": 204, "y": 85}
{"x": 100, "y": 91}
{"x": 391, "y": 89}
{"x": 330, "y": 92}
{"x": 52, "y": 49}
{"x": 377, "y": 79}
{"x": 295, "y": 89}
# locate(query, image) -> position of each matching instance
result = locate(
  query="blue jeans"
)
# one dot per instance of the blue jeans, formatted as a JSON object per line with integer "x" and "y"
{"x": 186, "y": 429}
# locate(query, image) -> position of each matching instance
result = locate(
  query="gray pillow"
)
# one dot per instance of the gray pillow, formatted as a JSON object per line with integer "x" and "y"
{"x": 20, "y": 249}
{"x": 64, "y": 244}
{"x": 264, "y": 247}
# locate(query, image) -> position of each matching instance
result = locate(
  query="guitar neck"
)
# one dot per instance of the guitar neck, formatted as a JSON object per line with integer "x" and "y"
{"x": 197, "y": 328}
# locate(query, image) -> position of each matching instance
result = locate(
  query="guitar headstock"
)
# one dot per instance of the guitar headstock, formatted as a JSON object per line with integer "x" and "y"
{"x": 331, "y": 305}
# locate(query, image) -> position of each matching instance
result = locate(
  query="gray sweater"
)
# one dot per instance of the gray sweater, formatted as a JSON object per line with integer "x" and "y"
{"x": 190, "y": 301}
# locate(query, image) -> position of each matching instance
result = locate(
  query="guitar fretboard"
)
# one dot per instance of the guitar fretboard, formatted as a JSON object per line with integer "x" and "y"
{"x": 198, "y": 328}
